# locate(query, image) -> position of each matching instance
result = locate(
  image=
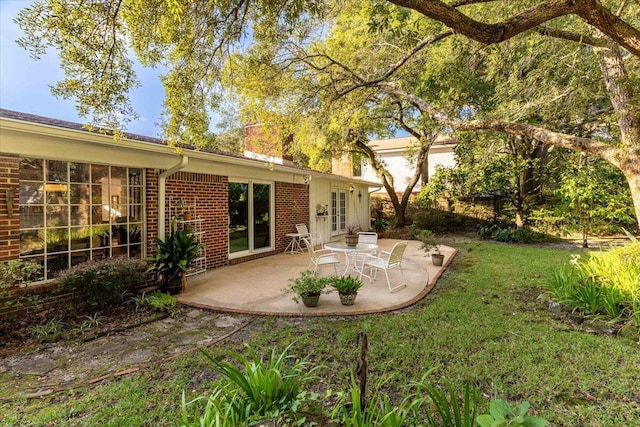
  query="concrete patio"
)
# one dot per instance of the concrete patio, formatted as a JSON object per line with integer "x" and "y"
{"x": 255, "y": 287}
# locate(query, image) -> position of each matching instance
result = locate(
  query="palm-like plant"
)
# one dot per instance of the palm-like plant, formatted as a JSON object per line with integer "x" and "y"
{"x": 174, "y": 255}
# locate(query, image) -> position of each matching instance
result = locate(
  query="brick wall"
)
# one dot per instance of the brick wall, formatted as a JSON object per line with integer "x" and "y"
{"x": 292, "y": 207}
{"x": 151, "y": 208}
{"x": 9, "y": 224}
{"x": 209, "y": 195}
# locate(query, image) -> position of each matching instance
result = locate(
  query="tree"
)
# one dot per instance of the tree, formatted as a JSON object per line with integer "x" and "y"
{"x": 592, "y": 194}
{"x": 193, "y": 38}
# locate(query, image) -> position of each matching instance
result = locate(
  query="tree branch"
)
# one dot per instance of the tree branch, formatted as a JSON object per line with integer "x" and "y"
{"x": 574, "y": 143}
{"x": 591, "y": 11}
{"x": 566, "y": 35}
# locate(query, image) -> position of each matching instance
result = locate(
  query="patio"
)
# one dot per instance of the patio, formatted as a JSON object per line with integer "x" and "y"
{"x": 254, "y": 287}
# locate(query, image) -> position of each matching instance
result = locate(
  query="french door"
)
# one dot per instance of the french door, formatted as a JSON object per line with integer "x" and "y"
{"x": 250, "y": 217}
{"x": 338, "y": 211}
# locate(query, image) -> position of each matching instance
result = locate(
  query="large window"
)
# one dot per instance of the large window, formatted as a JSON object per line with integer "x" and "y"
{"x": 74, "y": 212}
{"x": 250, "y": 224}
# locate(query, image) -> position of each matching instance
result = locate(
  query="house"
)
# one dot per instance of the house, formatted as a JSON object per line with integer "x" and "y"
{"x": 396, "y": 154}
{"x": 68, "y": 195}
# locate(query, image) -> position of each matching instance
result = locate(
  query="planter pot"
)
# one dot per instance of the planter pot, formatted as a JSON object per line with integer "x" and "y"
{"x": 437, "y": 259}
{"x": 351, "y": 239}
{"x": 310, "y": 300}
{"x": 173, "y": 286}
{"x": 348, "y": 299}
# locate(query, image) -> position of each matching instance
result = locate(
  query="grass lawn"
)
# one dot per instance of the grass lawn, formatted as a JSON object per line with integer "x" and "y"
{"x": 482, "y": 324}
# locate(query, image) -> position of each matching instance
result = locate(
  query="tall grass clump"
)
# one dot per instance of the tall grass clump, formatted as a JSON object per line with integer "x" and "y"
{"x": 606, "y": 283}
{"x": 258, "y": 390}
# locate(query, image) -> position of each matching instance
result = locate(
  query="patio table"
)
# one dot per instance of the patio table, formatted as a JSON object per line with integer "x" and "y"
{"x": 351, "y": 252}
{"x": 294, "y": 245}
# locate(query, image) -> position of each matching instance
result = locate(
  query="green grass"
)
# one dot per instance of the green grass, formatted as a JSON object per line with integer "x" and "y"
{"x": 482, "y": 325}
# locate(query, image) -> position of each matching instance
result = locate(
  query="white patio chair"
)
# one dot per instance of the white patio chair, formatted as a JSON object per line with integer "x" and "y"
{"x": 368, "y": 237}
{"x": 302, "y": 230}
{"x": 356, "y": 259}
{"x": 386, "y": 261}
{"x": 315, "y": 238}
{"x": 321, "y": 257}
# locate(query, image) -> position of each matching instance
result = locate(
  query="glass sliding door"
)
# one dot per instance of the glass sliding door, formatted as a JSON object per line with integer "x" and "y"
{"x": 261, "y": 216}
{"x": 250, "y": 217}
{"x": 238, "y": 217}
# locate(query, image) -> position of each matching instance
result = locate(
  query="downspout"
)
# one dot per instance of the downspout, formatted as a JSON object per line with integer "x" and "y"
{"x": 162, "y": 190}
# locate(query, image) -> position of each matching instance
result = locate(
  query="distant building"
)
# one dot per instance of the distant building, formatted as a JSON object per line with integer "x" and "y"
{"x": 397, "y": 155}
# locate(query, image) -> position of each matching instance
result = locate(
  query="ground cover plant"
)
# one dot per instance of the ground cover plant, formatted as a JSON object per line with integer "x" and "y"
{"x": 604, "y": 283}
{"x": 482, "y": 325}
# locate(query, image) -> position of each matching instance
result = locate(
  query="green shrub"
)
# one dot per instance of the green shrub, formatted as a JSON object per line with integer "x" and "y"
{"x": 161, "y": 301}
{"x": 510, "y": 235}
{"x": 103, "y": 283}
{"x": 18, "y": 272}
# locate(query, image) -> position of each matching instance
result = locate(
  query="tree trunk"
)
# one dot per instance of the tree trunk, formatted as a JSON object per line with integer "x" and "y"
{"x": 399, "y": 205}
{"x": 632, "y": 173}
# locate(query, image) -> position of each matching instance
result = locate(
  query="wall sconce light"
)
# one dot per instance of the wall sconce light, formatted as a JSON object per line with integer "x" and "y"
{"x": 307, "y": 179}
{"x": 352, "y": 189}
{"x": 359, "y": 194}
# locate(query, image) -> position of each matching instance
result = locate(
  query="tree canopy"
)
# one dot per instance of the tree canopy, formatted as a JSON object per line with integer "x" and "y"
{"x": 559, "y": 72}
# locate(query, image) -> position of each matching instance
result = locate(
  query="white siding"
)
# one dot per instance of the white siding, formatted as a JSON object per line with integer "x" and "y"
{"x": 357, "y": 207}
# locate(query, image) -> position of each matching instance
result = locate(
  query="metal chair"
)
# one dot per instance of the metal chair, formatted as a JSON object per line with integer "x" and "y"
{"x": 386, "y": 261}
{"x": 357, "y": 258}
{"x": 368, "y": 237}
{"x": 321, "y": 257}
{"x": 315, "y": 238}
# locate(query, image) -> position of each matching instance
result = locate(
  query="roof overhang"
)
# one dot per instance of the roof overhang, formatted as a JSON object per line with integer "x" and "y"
{"x": 29, "y": 139}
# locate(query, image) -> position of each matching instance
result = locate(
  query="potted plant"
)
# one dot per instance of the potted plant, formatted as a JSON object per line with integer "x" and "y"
{"x": 306, "y": 287}
{"x": 174, "y": 255}
{"x": 430, "y": 243}
{"x": 380, "y": 225}
{"x": 351, "y": 236}
{"x": 347, "y": 287}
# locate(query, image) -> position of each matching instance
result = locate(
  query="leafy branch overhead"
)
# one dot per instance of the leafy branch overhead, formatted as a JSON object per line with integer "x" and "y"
{"x": 334, "y": 74}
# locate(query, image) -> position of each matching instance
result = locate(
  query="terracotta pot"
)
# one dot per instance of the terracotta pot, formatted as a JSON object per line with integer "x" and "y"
{"x": 348, "y": 299}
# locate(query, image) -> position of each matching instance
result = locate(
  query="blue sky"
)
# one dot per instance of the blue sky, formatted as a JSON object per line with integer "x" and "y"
{"x": 24, "y": 82}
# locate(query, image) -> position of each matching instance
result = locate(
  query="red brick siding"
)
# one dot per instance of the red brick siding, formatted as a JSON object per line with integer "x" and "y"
{"x": 151, "y": 208}
{"x": 292, "y": 207}
{"x": 209, "y": 194}
{"x": 9, "y": 224}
